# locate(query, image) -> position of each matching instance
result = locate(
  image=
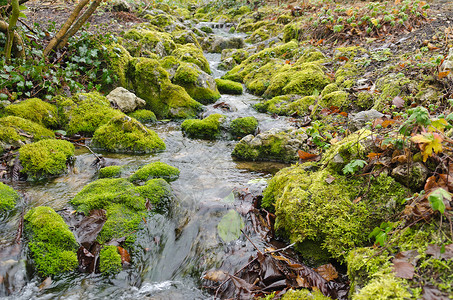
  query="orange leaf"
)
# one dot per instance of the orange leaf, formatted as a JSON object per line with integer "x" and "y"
{"x": 328, "y": 272}
{"x": 125, "y": 257}
{"x": 431, "y": 183}
{"x": 343, "y": 58}
{"x": 356, "y": 200}
{"x": 387, "y": 123}
{"x": 374, "y": 155}
{"x": 344, "y": 114}
{"x": 443, "y": 74}
{"x": 306, "y": 156}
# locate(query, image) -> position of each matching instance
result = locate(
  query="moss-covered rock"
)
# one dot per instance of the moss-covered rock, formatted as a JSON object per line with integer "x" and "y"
{"x": 8, "y": 197}
{"x": 148, "y": 43}
{"x": 52, "y": 245}
{"x": 338, "y": 99}
{"x": 155, "y": 170}
{"x": 304, "y": 294}
{"x": 198, "y": 84}
{"x": 36, "y": 110}
{"x": 308, "y": 208}
{"x": 45, "y": 158}
{"x": 151, "y": 83}
{"x": 264, "y": 32}
{"x": 208, "y": 128}
{"x": 110, "y": 260}
{"x": 390, "y": 86}
{"x": 12, "y": 131}
{"x": 118, "y": 59}
{"x": 110, "y": 172}
{"x": 272, "y": 145}
{"x": 241, "y": 127}
{"x": 160, "y": 20}
{"x": 85, "y": 112}
{"x": 293, "y": 31}
{"x": 125, "y": 134}
{"x": 229, "y": 87}
{"x": 144, "y": 116}
{"x": 287, "y": 105}
{"x": 159, "y": 194}
{"x": 192, "y": 54}
{"x": 183, "y": 37}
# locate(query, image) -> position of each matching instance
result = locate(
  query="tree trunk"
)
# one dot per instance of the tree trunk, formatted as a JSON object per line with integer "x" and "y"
{"x": 57, "y": 38}
{"x": 76, "y": 26}
{"x": 11, "y": 26}
{"x": 18, "y": 43}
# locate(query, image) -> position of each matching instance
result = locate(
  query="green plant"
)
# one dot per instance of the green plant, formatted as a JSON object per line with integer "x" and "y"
{"x": 380, "y": 234}
{"x": 353, "y": 166}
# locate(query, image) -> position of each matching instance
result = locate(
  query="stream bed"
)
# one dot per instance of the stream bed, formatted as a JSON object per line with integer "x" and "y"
{"x": 181, "y": 245}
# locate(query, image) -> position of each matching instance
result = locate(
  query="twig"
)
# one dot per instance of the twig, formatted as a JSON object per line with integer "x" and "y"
{"x": 252, "y": 242}
{"x": 281, "y": 249}
{"x": 82, "y": 145}
{"x": 237, "y": 272}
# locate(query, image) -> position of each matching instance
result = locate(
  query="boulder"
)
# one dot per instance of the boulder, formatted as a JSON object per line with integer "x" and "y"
{"x": 120, "y": 5}
{"x": 125, "y": 100}
{"x": 357, "y": 121}
{"x": 222, "y": 43}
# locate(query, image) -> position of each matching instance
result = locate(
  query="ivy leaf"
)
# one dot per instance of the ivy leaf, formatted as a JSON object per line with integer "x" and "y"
{"x": 436, "y": 199}
{"x": 229, "y": 228}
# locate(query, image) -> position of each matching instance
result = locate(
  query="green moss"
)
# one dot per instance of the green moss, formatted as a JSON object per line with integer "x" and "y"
{"x": 264, "y": 32}
{"x": 147, "y": 43}
{"x": 151, "y": 83}
{"x": 384, "y": 287}
{"x": 85, "y": 112}
{"x": 346, "y": 74}
{"x": 330, "y": 88}
{"x": 110, "y": 172}
{"x": 8, "y": 197}
{"x": 158, "y": 192}
{"x": 183, "y": 37}
{"x": 349, "y": 52}
{"x": 125, "y": 134}
{"x": 155, "y": 170}
{"x": 36, "y": 110}
{"x": 239, "y": 55}
{"x": 161, "y": 20}
{"x": 198, "y": 85}
{"x": 338, "y": 99}
{"x": 390, "y": 86}
{"x": 306, "y": 82}
{"x": 304, "y": 295}
{"x": 110, "y": 260}
{"x": 241, "y": 127}
{"x": 208, "y": 128}
{"x": 287, "y": 105}
{"x": 12, "y": 129}
{"x": 192, "y": 54}
{"x": 52, "y": 245}
{"x": 293, "y": 31}
{"x": 144, "y": 116}
{"x": 118, "y": 59}
{"x": 229, "y": 87}
{"x": 122, "y": 221}
{"x": 309, "y": 208}
{"x": 45, "y": 158}
{"x": 364, "y": 100}
{"x": 104, "y": 192}
{"x": 258, "y": 81}
{"x": 206, "y": 29}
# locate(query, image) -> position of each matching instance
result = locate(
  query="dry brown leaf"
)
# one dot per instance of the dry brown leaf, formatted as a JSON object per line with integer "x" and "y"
{"x": 403, "y": 269}
{"x": 329, "y": 179}
{"x": 328, "y": 272}
{"x": 307, "y": 156}
{"x": 216, "y": 275}
{"x": 125, "y": 257}
{"x": 398, "y": 102}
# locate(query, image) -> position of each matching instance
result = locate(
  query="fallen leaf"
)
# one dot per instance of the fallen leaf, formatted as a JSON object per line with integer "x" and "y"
{"x": 373, "y": 155}
{"x": 443, "y": 74}
{"x": 328, "y": 272}
{"x": 343, "y": 58}
{"x": 431, "y": 183}
{"x": 329, "y": 179}
{"x": 88, "y": 229}
{"x": 229, "y": 227}
{"x": 306, "y": 156}
{"x": 387, "y": 123}
{"x": 216, "y": 275}
{"x": 403, "y": 269}
{"x": 125, "y": 257}
{"x": 344, "y": 114}
{"x": 46, "y": 283}
{"x": 356, "y": 200}
{"x": 437, "y": 252}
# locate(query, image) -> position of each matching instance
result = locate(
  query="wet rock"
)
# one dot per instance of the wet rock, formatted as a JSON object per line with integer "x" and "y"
{"x": 121, "y": 5}
{"x": 221, "y": 43}
{"x": 241, "y": 127}
{"x": 125, "y": 100}
{"x": 357, "y": 121}
{"x": 413, "y": 176}
{"x": 208, "y": 128}
{"x": 272, "y": 145}
{"x": 127, "y": 135}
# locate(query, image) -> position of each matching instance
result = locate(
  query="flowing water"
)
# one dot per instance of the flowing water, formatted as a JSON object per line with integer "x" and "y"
{"x": 180, "y": 246}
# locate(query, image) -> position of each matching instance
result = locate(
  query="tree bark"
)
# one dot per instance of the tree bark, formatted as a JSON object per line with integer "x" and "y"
{"x": 66, "y": 26}
{"x": 11, "y": 26}
{"x": 18, "y": 43}
{"x": 79, "y": 23}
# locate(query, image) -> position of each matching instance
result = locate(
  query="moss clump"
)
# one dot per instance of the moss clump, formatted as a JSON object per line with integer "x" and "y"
{"x": 125, "y": 134}
{"x": 293, "y": 31}
{"x": 338, "y": 99}
{"x": 208, "y": 128}
{"x": 104, "y": 192}
{"x": 161, "y": 20}
{"x": 45, "y": 158}
{"x": 155, "y": 170}
{"x": 36, "y": 110}
{"x": 309, "y": 208}
{"x": 206, "y": 29}
{"x": 144, "y": 116}
{"x": 304, "y": 295}
{"x": 85, "y": 112}
{"x": 118, "y": 59}
{"x": 286, "y": 105}
{"x": 391, "y": 85}
{"x": 346, "y": 74}
{"x": 8, "y": 197}
{"x": 229, "y": 87}
{"x": 183, "y": 37}
{"x": 384, "y": 287}
{"x": 151, "y": 83}
{"x": 192, "y": 54}
{"x": 52, "y": 245}
{"x": 110, "y": 172}
{"x": 158, "y": 192}
{"x": 148, "y": 43}
{"x": 110, "y": 260}
{"x": 199, "y": 85}
{"x": 12, "y": 129}
{"x": 241, "y": 127}
{"x": 330, "y": 88}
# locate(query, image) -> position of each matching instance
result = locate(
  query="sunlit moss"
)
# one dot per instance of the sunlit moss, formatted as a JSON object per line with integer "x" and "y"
{"x": 241, "y": 127}
{"x": 110, "y": 172}
{"x": 229, "y": 87}
{"x": 8, "y": 197}
{"x": 155, "y": 170}
{"x": 36, "y": 110}
{"x": 110, "y": 260}
{"x": 208, "y": 128}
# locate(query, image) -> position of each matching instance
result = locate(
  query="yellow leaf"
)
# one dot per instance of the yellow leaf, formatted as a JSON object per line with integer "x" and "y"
{"x": 439, "y": 124}
{"x": 430, "y": 142}
{"x": 374, "y": 21}
{"x": 422, "y": 138}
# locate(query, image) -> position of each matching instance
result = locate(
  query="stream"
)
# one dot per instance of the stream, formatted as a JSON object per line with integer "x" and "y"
{"x": 181, "y": 245}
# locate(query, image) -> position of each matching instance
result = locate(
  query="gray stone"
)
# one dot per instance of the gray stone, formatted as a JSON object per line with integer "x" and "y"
{"x": 411, "y": 175}
{"x": 221, "y": 43}
{"x": 125, "y": 100}
{"x": 121, "y": 5}
{"x": 357, "y": 121}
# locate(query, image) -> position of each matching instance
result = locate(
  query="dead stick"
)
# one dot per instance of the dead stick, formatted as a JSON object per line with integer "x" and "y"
{"x": 281, "y": 249}
{"x": 252, "y": 242}
{"x": 82, "y": 145}
{"x": 237, "y": 272}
